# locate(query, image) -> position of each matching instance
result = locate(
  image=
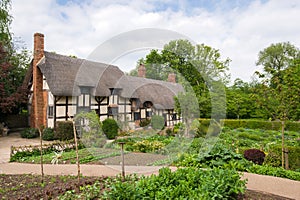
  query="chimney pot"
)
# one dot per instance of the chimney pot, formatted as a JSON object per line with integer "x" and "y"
{"x": 172, "y": 78}
{"x": 142, "y": 71}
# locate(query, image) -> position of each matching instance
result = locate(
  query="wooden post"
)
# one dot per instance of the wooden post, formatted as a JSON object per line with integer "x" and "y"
{"x": 282, "y": 144}
{"x": 122, "y": 156}
{"x": 286, "y": 157}
{"x": 76, "y": 147}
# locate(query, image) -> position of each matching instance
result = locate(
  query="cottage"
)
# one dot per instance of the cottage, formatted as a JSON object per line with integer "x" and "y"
{"x": 62, "y": 86}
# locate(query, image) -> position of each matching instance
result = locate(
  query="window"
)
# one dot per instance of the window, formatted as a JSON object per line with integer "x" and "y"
{"x": 174, "y": 116}
{"x": 113, "y": 110}
{"x": 137, "y": 116}
{"x": 50, "y": 111}
{"x": 148, "y": 114}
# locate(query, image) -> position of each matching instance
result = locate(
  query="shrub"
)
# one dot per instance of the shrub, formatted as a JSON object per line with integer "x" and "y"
{"x": 48, "y": 134}
{"x": 110, "y": 128}
{"x": 255, "y": 155}
{"x": 30, "y": 133}
{"x": 91, "y": 134}
{"x": 145, "y": 122}
{"x": 274, "y": 156}
{"x": 157, "y": 122}
{"x": 184, "y": 183}
{"x": 64, "y": 130}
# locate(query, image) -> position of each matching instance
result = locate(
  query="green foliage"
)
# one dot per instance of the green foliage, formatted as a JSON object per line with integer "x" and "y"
{"x": 13, "y": 66}
{"x": 110, "y": 128}
{"x": 274, "y": 171}
{"x": 145, "y": 122}
{"x": 184, "y": 183}
{"x": 251, "y": 124}
{"x": 147, "y": 146}
{"x": 273, "y": 157}
{"x": 30, "y": 133}
{"x": 157, "y": 122}
{"x": 64, "y": 130}
{"x": 48, "y": 134}
{"x": 217, "y": 156}
{"x": 88, "y": 123}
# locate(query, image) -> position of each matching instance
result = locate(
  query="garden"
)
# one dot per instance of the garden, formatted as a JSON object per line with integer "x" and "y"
{"x": 209, "y": 164}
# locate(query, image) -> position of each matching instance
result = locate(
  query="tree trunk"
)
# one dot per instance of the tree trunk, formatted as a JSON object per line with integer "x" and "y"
{"x": 282, "y": 144}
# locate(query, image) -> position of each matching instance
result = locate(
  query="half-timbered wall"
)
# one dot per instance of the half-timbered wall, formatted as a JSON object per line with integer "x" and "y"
{"x": 62, "y": 108}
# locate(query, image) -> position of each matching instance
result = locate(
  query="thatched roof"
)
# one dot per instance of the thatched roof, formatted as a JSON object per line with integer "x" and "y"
{"x": 65, "y": 75}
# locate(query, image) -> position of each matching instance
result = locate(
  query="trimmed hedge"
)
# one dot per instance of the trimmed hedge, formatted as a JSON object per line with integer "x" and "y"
{"x": 110, "y": 128}
{"x": 30, "y": 133}
{"x": 273, "y": 157}
{"x": 64, "y": 130}
{"x": 253, "y": 124}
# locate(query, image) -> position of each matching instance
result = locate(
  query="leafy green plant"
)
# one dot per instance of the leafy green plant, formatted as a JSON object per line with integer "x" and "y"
{"x": 145, "y": 122}
{"x": 48, "y": 134}
{"x": 110, "y": 128}
{"x": 91, "y": 134}
{"x": 185, "y": 183}
{"x": 157, "y": 122}
{"x": 30, "y": 133}
{"x": 64, "y": 130}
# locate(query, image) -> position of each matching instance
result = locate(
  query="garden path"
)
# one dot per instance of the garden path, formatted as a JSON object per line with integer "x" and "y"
{"x": 278, "y": 186}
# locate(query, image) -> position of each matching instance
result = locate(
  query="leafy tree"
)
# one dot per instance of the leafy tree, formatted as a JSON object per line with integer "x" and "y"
{"x": 279, "y": 90}
{"x": 13, "y": 66}
{"x": 239, "y": 102}
{"x": 199, "y": 66}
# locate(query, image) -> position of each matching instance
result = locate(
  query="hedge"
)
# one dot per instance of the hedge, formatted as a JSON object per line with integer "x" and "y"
{"x": 273, "y": 157}
{"x": 253, "y": 124}
{"x": 64, "y": 130}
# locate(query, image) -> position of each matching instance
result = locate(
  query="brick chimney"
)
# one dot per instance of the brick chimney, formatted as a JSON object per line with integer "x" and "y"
{"x": 172, "y": 77}
{"x": 39, "y": 106}
{"x": 142, "y": 71}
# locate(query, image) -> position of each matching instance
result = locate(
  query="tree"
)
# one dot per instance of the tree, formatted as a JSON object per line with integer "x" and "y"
{"x": 13, "y": 66}
{"x": 278, "y": 93}
{"x": 275, "y": 59}
{"x": 199, "y": 66}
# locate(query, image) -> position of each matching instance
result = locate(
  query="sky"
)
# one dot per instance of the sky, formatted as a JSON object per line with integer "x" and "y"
{"x": 239, "y": 29}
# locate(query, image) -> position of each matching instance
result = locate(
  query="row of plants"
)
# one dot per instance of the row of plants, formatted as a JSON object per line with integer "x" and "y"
{"x": 20, "y": 154}
{"x": 85, "y": 155}
{"x": 253, "y": 124}
{"x": 184, "y": 183}
{"x": 221, "y": 156}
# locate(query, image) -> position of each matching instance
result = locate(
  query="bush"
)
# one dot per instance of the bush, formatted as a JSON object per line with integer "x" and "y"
{"x": 145, "y": 122}
{"x": 157, "y": 122}
{"x": 110, "y": 128}
{"x": 184, "y": 183}
{"x": 274, "y": 157}
{"x": 64, "y": 130}
{"x": 255, "y": 155}
{"x": 48, "y": 134}
{"x": 30, "y": 133}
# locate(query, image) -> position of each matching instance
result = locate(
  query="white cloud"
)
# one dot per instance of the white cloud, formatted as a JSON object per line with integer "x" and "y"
{"x": 240, "y": 32}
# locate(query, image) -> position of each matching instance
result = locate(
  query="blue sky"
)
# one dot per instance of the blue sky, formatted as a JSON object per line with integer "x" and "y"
{"x": 238, "y": 28}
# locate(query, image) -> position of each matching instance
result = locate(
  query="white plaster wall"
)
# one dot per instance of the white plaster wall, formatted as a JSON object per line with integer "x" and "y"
{"x": 50, "y": 123}
{"x": 103, "y": 109}
{"x": 50, "y": 99}
{"x": 102, "y": 118}
{"x": 60, "y": 111}
{"x": 61, "y": 100}
{"x": 71, "y": 110}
